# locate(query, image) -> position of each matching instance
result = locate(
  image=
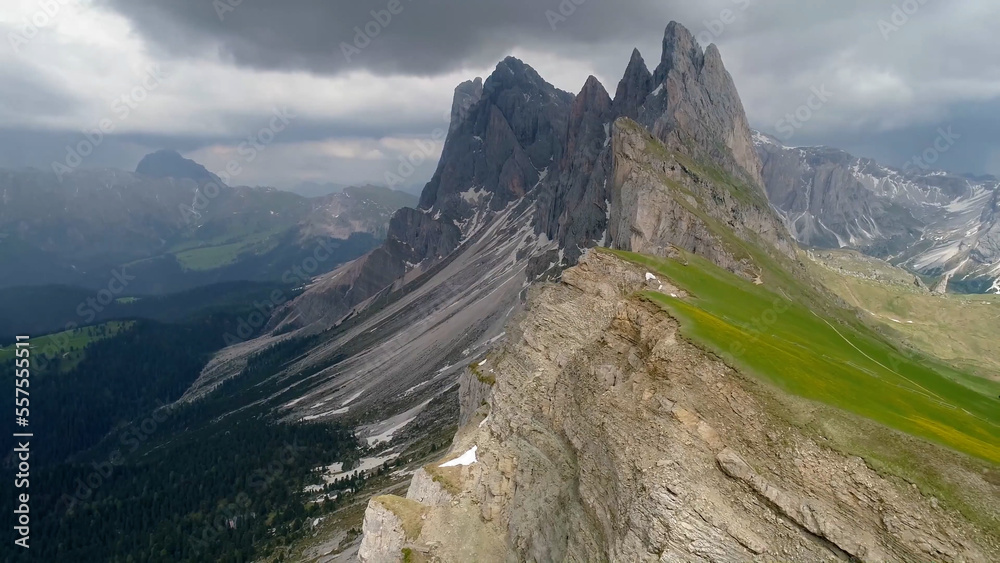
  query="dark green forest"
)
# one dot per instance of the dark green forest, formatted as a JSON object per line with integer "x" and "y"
{"x": 118, "y": 475}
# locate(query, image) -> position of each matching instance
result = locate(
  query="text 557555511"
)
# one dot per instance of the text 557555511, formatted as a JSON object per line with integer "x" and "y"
{"x": 22, "y": 439}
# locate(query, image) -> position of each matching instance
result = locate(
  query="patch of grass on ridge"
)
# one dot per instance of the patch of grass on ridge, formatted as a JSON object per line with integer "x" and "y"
{"x": 820, "y": 357}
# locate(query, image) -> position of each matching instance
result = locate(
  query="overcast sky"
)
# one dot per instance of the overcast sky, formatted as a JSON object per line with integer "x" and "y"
{"x": 200, "y": 76}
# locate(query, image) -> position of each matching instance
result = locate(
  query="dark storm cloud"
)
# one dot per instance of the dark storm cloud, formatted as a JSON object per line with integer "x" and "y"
{"x": 423, "y": 37}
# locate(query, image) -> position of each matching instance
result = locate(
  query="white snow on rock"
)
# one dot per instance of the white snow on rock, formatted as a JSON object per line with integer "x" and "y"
{"x": 468, "y": 458}
{"x": 650, "y": 277}
{"x": 352, "y": 398}
{"x": 386, "y": 436}
{"x": 385, "y": 430}
{"x": 335, "y": 471}
{"x": 321, "y": 415}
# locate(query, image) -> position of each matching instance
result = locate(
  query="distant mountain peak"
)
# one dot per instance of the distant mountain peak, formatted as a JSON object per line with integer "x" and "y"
{"x": 167, "y": 163}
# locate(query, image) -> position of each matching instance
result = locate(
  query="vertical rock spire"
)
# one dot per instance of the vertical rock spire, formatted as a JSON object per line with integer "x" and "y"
{"x": 634, "y": 87}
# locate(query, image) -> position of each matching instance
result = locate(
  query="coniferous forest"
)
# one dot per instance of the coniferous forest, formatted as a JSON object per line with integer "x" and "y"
{"x": 124, "y": 473}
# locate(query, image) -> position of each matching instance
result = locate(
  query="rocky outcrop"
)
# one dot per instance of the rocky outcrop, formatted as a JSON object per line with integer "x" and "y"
{"x": 384, "y": 536}
{"x": 613, "y": 438}
{"x": 573, "y": 205}
{"x": 515, "y": 130}
{"x": 474, "y": 389}
{"x": 689, "y": 103}
{"x": 467, "y": 95}
{"x": 425, "y": 490}
{"x": 660, "y": 199}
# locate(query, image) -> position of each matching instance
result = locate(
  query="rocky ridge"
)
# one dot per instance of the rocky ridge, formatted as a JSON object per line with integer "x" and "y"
{"x": 607, "y": 436}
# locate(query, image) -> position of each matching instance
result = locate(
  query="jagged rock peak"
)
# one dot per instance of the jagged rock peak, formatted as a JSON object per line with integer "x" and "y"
{"x": 635, "y": 85}
{"x": 514, "y": 71}
{"x": 593, "y": 94}
{"x": 514, "y": 129}
{"x": 467, "y": 94}
{"x": 696, "y": 103}
{"x": 680, "y": 50}
{"x": 590, "y": 111}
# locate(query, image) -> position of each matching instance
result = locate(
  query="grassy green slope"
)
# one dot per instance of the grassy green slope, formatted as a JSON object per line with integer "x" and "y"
{"x": 808, "y": 350}
{"x": 960, "y": 329}
{"x": 68, "y": 345}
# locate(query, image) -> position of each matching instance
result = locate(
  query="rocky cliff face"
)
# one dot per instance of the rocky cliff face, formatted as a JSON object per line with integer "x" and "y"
{"x": 690, "y": 105}
{"x": 696, "y": 104}
{"x": 660, "y": 199}
{"x": 933, "y": 222}
{"x": 609, "y": 437}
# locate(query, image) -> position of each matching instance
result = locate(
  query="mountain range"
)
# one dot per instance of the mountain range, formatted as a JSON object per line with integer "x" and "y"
{"x": 173, "y": 225}
{"x": 941, "y": 225}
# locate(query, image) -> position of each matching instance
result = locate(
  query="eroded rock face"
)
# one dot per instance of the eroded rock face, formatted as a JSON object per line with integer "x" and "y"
{"x": 510, "y": 134}
{"x": 428, "y": 492}
{"x": 613, "y": 438}
{"x": 384, "y": 537}
{"x": 658, "y": 202}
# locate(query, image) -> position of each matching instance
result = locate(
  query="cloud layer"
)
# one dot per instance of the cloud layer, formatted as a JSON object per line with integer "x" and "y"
{"x": 366, "y": 78}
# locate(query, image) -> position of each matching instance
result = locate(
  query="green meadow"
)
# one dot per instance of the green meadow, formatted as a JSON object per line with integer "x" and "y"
{"x": 68, "y": 346}
{"x": 811, "y": 352}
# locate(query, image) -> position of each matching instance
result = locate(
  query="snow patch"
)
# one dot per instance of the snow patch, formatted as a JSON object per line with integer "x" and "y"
{"x": 321, "y": 415}
{"x": 387, "y": 435}
{"x": 468, "y": 458}
{"x": 650, "y": 277}
{"x": 352, "y": 398}
{"x": 366, "y": 464}
{"x": 473, "y": 195}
